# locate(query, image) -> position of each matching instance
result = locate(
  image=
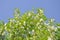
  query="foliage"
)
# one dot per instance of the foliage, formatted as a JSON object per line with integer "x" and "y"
{"x": 29, "y": 26}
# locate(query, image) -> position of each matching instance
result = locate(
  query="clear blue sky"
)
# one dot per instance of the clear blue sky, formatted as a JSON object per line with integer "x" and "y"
{"x": 52, "y": 7}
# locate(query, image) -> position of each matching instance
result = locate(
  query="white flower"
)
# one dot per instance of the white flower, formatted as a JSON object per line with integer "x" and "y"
{"x": 20, "y": 23}
{"x": 32, "y": 30}
{"x": 52, "y": 28}
{"x": 46, "y": 23}
{"x": 29, "y": 14}
{"x": 41, "y": 10}
{"x": 39, "y": 27}
{"x": 17, "y": 21}
{"x": 5, "y": 24}
{"x": 41, "y": 19}
{"x": 58, "y": 26}
{"x": 37, "y": 24}
{"x": 22, "y": 27}
{"x": 29, "y": 32}
{"x": 52, "y": 20}
{"x": 10, "y": 20}
{"x": 55, "y": 28}
{"x": 49, "y": 38}
{"x": 24, "y": 22}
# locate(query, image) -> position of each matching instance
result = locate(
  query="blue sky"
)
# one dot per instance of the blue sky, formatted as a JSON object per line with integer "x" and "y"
{"x": 51, "y": 7}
